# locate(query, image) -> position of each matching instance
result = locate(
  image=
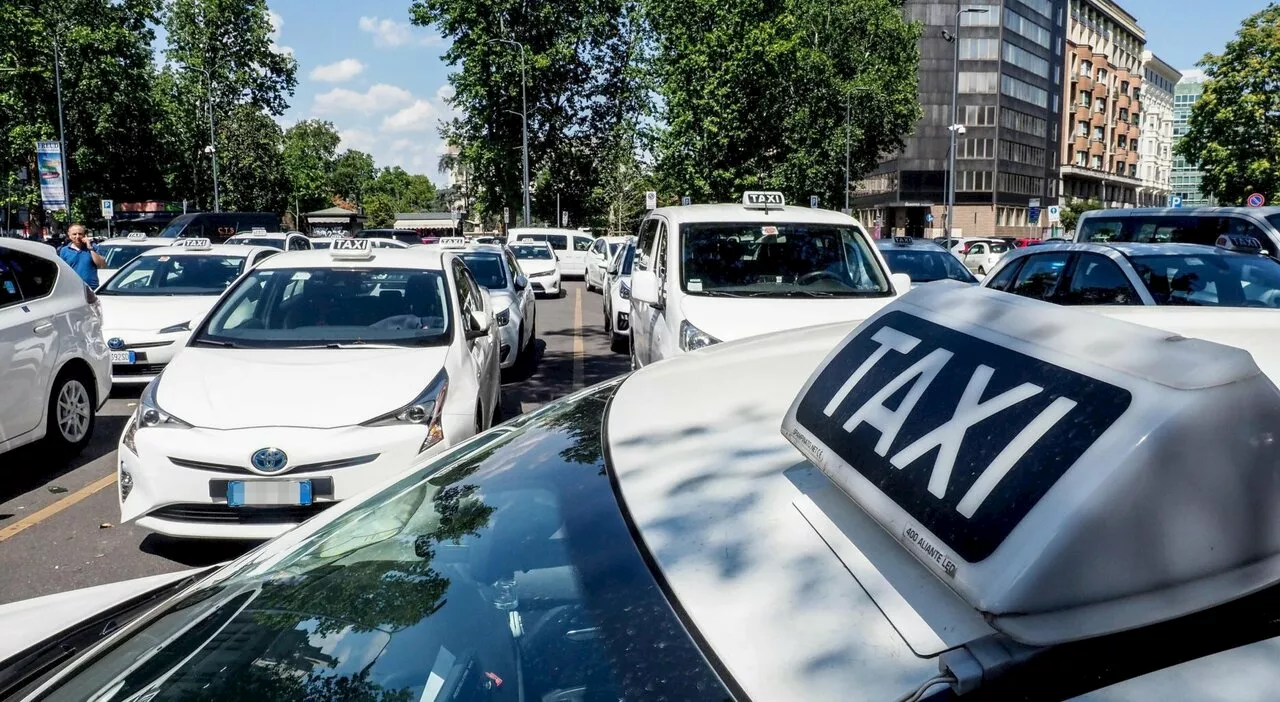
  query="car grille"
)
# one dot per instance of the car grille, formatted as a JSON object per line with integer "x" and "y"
{"x": 223, "y": 514}
{"x": 304, "y": 468}
{"x": 145, "y": 345}
{"x": 137, "y": 369}
{"x": 537, "y": 287}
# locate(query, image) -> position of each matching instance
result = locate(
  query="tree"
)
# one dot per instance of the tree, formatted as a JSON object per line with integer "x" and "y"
{"x": 1070, "y": 213}
{"x": 249, "y": 170}
{"x": 754, "y": 94}
{"x": 309, "y": 162}
{"x": 353, "y": 174}
{"x": 1234, "y": 131}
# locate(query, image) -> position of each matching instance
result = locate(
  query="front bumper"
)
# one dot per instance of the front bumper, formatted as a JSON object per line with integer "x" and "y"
{"x": 621, "y": 323}
{"x": 178, "y": 479}
{"x": 151, "y": 352}
{"x": 509, "y": 341}
{"x": 546, "y": 285}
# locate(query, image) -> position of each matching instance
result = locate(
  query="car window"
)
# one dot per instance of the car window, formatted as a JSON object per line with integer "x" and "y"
{"x": 976, "y": 250}
{"x": 598, "y": 247}
{"x": 512, "y": 263}
{"x": 926, "y": 266}
{"x": 660, "y": 254}
{"x": 119, "y": 254}
{"x": 559, "y": 242}
{"x": 999, "y": 247}
{"x": 9, "y": 292}
{"x": 1040, "y": 275}
{"x": 1212, "y": 279}
{"x": 1097, "y": 280}
{"x": 532, "y": 252}
{"x": 297, "y": 243}
{"x": 1003, "y": 279}
{"x": 644, "y": 244}
{"x": 581, "y": 243}
{"x": 36, "y": 276}
{"x": 486, "y": 269}
{"x": 1100, "y": 229}
{"x": 467, "y": 297}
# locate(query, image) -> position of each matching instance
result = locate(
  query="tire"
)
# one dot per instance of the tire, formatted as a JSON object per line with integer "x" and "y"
{"x": 618, "y": 343}
{"x": 608, "y": 320}
{"x": 72, "y": 414}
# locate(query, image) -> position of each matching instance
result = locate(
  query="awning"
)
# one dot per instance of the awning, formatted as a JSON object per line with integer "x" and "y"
{"x": 328, "y": 220}
{"x": 424, "y": 224}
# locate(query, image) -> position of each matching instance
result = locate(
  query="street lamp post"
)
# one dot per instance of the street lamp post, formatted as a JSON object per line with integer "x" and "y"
{"x": 955, "y": 127}
{"x": 524, "y": 122}
{"x": 62, "y": 134}
{"x": 212, "y": 149}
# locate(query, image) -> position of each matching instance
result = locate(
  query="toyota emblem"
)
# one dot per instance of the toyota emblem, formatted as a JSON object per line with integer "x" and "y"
{"x": 269, "y": 460}
{"x": 115, "y": 343}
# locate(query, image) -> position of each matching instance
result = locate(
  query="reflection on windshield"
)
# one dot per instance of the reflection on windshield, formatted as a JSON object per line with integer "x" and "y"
{"x": 259, "y": 241}
{"x": 175, "y": 275}
{"x": 291, "y": 307}
{"x": 926, "y": 266}
{"x": 486, "y": 269}
{"x": 778, "y": 260}
{"x": 534, "y": 253}
{"x": 1214, "y": 280}
{"x": 502, "y": 571}
{"x": 119, "y": 254}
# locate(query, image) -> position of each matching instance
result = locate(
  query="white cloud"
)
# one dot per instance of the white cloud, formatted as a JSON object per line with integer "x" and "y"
{"x": 388, "y": 33}
{"x": 337, "y": 72}
{"x": 276, "y": 23}
{"x": 358, "y": 139}
{"x": 421, "y": 116}
{"x": 445, "y": 93}
{"x": 284, "y": 50}
{"x": 378, "y": 98}
{"x": 1194, "y": 75}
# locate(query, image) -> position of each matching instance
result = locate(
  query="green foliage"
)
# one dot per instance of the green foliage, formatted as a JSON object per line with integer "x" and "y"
{"x": 308, "y": 160}
{"x": 353, "y": 173}
{"x": 754, "y": 93}
{"x": 249, "y": 170}
{"x": 1070, "y": 213}
{"x": 1233, "y": 134}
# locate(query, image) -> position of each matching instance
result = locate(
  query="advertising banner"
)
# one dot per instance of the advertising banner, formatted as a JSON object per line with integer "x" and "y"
{"x": 49, "y": 165}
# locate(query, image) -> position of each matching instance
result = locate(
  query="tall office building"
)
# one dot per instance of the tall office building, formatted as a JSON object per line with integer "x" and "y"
{"x": 1103, "y": 94}
{"x": 1186, "y": 176}
{"x": 1155, "y": 141}
{"x": 1010, "y": 104}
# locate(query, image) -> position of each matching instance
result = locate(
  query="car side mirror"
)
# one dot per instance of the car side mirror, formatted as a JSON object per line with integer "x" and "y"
{"x": 901, "y": 283}
{"x": 521, "y": 282}
{"x": 645, "y": 288}
{"x": 478, "y": 323}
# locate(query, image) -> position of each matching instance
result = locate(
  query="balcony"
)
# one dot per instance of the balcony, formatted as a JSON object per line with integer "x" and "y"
{"x": 1082, "y": 82}
{"x": 1080, "y": 143}
{"x": 1097, "y": 119}
{"x": 1123, "y": 102}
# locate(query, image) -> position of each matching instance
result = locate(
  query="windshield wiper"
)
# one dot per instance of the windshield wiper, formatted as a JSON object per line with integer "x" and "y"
{"x": 348, "y": 345}
{"x": 219, "y": 344}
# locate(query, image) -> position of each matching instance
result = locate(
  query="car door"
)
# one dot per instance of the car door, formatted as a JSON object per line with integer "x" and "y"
{"x": 641, "y": 312}
{"x": 574, "y": 257}
{"x": 478, "y": 350}
{"x": 1041, "y": 275}
{"x": 524, "y": 297}
{"x": 596, "y": 262}
{"x": 975, "y": 255}
{"x": 1095, "y": 279}
{"x": 666, "y": 317}
{"x": 28, "y": 339}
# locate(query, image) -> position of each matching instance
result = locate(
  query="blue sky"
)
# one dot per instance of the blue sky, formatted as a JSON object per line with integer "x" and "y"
{"x": 383, "y": 85}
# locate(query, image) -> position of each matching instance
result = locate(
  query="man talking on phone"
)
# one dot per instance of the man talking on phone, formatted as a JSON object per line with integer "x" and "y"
{"x": 81, "y": 255}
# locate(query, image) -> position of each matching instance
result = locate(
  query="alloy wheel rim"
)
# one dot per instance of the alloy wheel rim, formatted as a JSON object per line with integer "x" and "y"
{"x": 73, "y": 411}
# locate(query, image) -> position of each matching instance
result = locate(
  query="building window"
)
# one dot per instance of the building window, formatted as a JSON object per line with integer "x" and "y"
{"x": 974, "y": 181}
{"x": 1025, "y": 60}
{"x": 1086, "y": 98}
{"x": 1022, "y": 26}
{"x": 1082, "y": 129}
{"x": 1086, "y": 69}
{"x": 1099, "y": 105}
{"x": 1102, "y": 75}
{"x": 1124, "y": 114}
{"x": 1096, "y": 162}
{"x": 1025, "y": 92}
{"x": 1043, "y": 7}
{"x": 1020, "y": 184}
{"x": 1080, "y": 156}
{"x": 1019, "y": 121}
{"x": 1021, "y": 153}
{"x": 1097, "y": 133}
{"x": 990, "y": 18}
{"x": 1121, "y": 142}
{"x": 975, "y": 82}
{"x": 975, "y": 148}
{"x": 1124, "y": 87}
{"x": 979, "y": 49}
{"x": 979, "y": 115}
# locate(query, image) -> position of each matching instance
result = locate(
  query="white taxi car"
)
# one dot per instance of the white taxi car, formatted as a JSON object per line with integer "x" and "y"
{"x": 515, "y": 310}
{"x": 710, "y": 273}
{"x": 151, "y": 306}
{"x": 970, "y": 496}
{"x": 617, "y": 297}
{"x": 284, "y": 241}
{"x": 317, "y": 375}
{"x": 982, "y": 256}
{"x": 598, "y": 258}
{"x": 538, "y": 261}
{"x": 122, "y": 250}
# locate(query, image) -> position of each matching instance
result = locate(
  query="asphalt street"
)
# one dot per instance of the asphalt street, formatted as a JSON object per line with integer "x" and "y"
{"x": 58, "y": 520}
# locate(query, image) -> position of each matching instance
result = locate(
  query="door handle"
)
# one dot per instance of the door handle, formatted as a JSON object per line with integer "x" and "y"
{"x": 43, "y": 328}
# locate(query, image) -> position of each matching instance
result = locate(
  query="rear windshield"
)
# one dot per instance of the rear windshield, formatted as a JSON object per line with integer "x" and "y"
{"x": 529, "y": 252}
{"x": 175, "y": 275}
{"x": 1171, "y": 228}
{"x": 926, "y": 266}
{"x": 119, "y": 254}
{"x": 487, "y": 269}
{"x": 258, "y": 241}
{"x": 559, "y": 242}
{"x": 321, "y": 307}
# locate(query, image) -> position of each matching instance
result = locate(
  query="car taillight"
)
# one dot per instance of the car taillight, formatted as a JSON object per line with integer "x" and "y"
{"x": 89, "y": 297}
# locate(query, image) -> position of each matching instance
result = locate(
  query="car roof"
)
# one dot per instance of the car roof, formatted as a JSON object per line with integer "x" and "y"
{"x": 926, "y": 244}
{"x": 1129, "y": 249}
{"x": 522, "y": 231}
{"x": 1260, "y": 212}
{"x": 35, "y": 248}
{"x": 414, "y": 257}
{"x": 150, "y": 241}
{"x": 737, "y": 212}
{"x": 215, "y": 249}
{"x": 263, "y": 235}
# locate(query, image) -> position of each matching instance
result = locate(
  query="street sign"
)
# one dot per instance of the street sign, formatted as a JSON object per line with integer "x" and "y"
{"x": 1175, "y": 201}
{"x": 1055, "y": 213}
{"x": 651, "y": 200}
{"x": 1035, "y": 202}
{"x": 928, "y": 217}
{"x": 813, "y": 202}
{"x": 564, "y": 218}
{"x": 686, "y": 201}
{"x": 108, "y": 209}
{"x": 1256, "y": 200}
{"x": 506, "y": 215}
{"x": 1033, "y": 214}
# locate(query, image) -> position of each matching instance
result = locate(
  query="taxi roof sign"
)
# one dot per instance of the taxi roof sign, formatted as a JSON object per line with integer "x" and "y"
{"x": 453, "y": 242}
{"x": 136, "y": 236}
{"x": 198, "y": 243}
{"x": 763, "y": 200}
{"x": 1047, "y": 464}
{"x": 347, "y": 248}
{"x": 1243, "y": 243}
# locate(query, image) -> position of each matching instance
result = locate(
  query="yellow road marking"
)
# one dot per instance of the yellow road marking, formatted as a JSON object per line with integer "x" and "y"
{"x": 36, "y": 517}
{"x": 578, "y": 350}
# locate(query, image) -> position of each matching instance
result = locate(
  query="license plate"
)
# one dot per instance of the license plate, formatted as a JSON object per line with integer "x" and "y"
{"x": 128, "y": 357}
{"x": 242, "y": 493}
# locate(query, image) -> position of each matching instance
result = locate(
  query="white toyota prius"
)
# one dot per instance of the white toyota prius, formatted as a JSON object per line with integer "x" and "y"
{"x": 149, "y": 308}
{"x": 318, "y": 374}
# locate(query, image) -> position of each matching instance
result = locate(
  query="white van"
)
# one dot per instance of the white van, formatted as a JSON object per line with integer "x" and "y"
{"x": 710, "y": 273}
{"x": 571, "y": 246}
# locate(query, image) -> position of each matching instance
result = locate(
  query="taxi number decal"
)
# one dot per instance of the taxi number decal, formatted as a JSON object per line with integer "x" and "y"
{"x": 964, "y": 435}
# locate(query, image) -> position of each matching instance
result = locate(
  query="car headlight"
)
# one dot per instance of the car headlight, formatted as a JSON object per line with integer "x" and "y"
{"x": 149, "y": 413}
{"x": 693, "y": 338}
{"x": 426, "y": 409}
{"x": 624, "y": 291}
{"x": 130, "y": 432}
{"x": 503, "y": 318}
{"x": 175, "y": 328}
{"x": 541, "y": 274}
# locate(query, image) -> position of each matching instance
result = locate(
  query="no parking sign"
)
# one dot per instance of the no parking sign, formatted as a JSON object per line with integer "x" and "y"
{"x": 1256, "y": 200}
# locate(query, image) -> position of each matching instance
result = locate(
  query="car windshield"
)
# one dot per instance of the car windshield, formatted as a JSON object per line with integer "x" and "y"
{"x": 1211, "y": 279}
{"x": 174, "y": 228}
{"x": 486, "y": 268}
{"x": 258, "y": 241}
{"x": 119, "y": 254}
{"x": 778, "y": 260}
{"x": 401, "y": 235}
{"x": 926, "y": 266}
{"x": 319, "y": 307}
{"x": 503, "y": 570}
{"x": 529, "y": 252}
{"x": 321, "y": 243}
{"x": 191, "y": 274}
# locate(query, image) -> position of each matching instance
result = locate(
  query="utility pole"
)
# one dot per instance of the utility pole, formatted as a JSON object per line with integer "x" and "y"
{"x": 62, "y": 133}
{"x": 956, "y": 127}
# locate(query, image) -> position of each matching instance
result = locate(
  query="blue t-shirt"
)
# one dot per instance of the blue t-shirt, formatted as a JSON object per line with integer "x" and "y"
{"x": 82, "y": 262}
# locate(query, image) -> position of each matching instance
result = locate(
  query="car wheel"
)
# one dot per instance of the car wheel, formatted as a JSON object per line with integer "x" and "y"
{"x": 72, "y": 414}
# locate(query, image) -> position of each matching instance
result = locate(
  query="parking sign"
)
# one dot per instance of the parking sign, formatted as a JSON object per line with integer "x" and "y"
{"x": 108, "y": 209}
{"x": 651, "y": 200}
